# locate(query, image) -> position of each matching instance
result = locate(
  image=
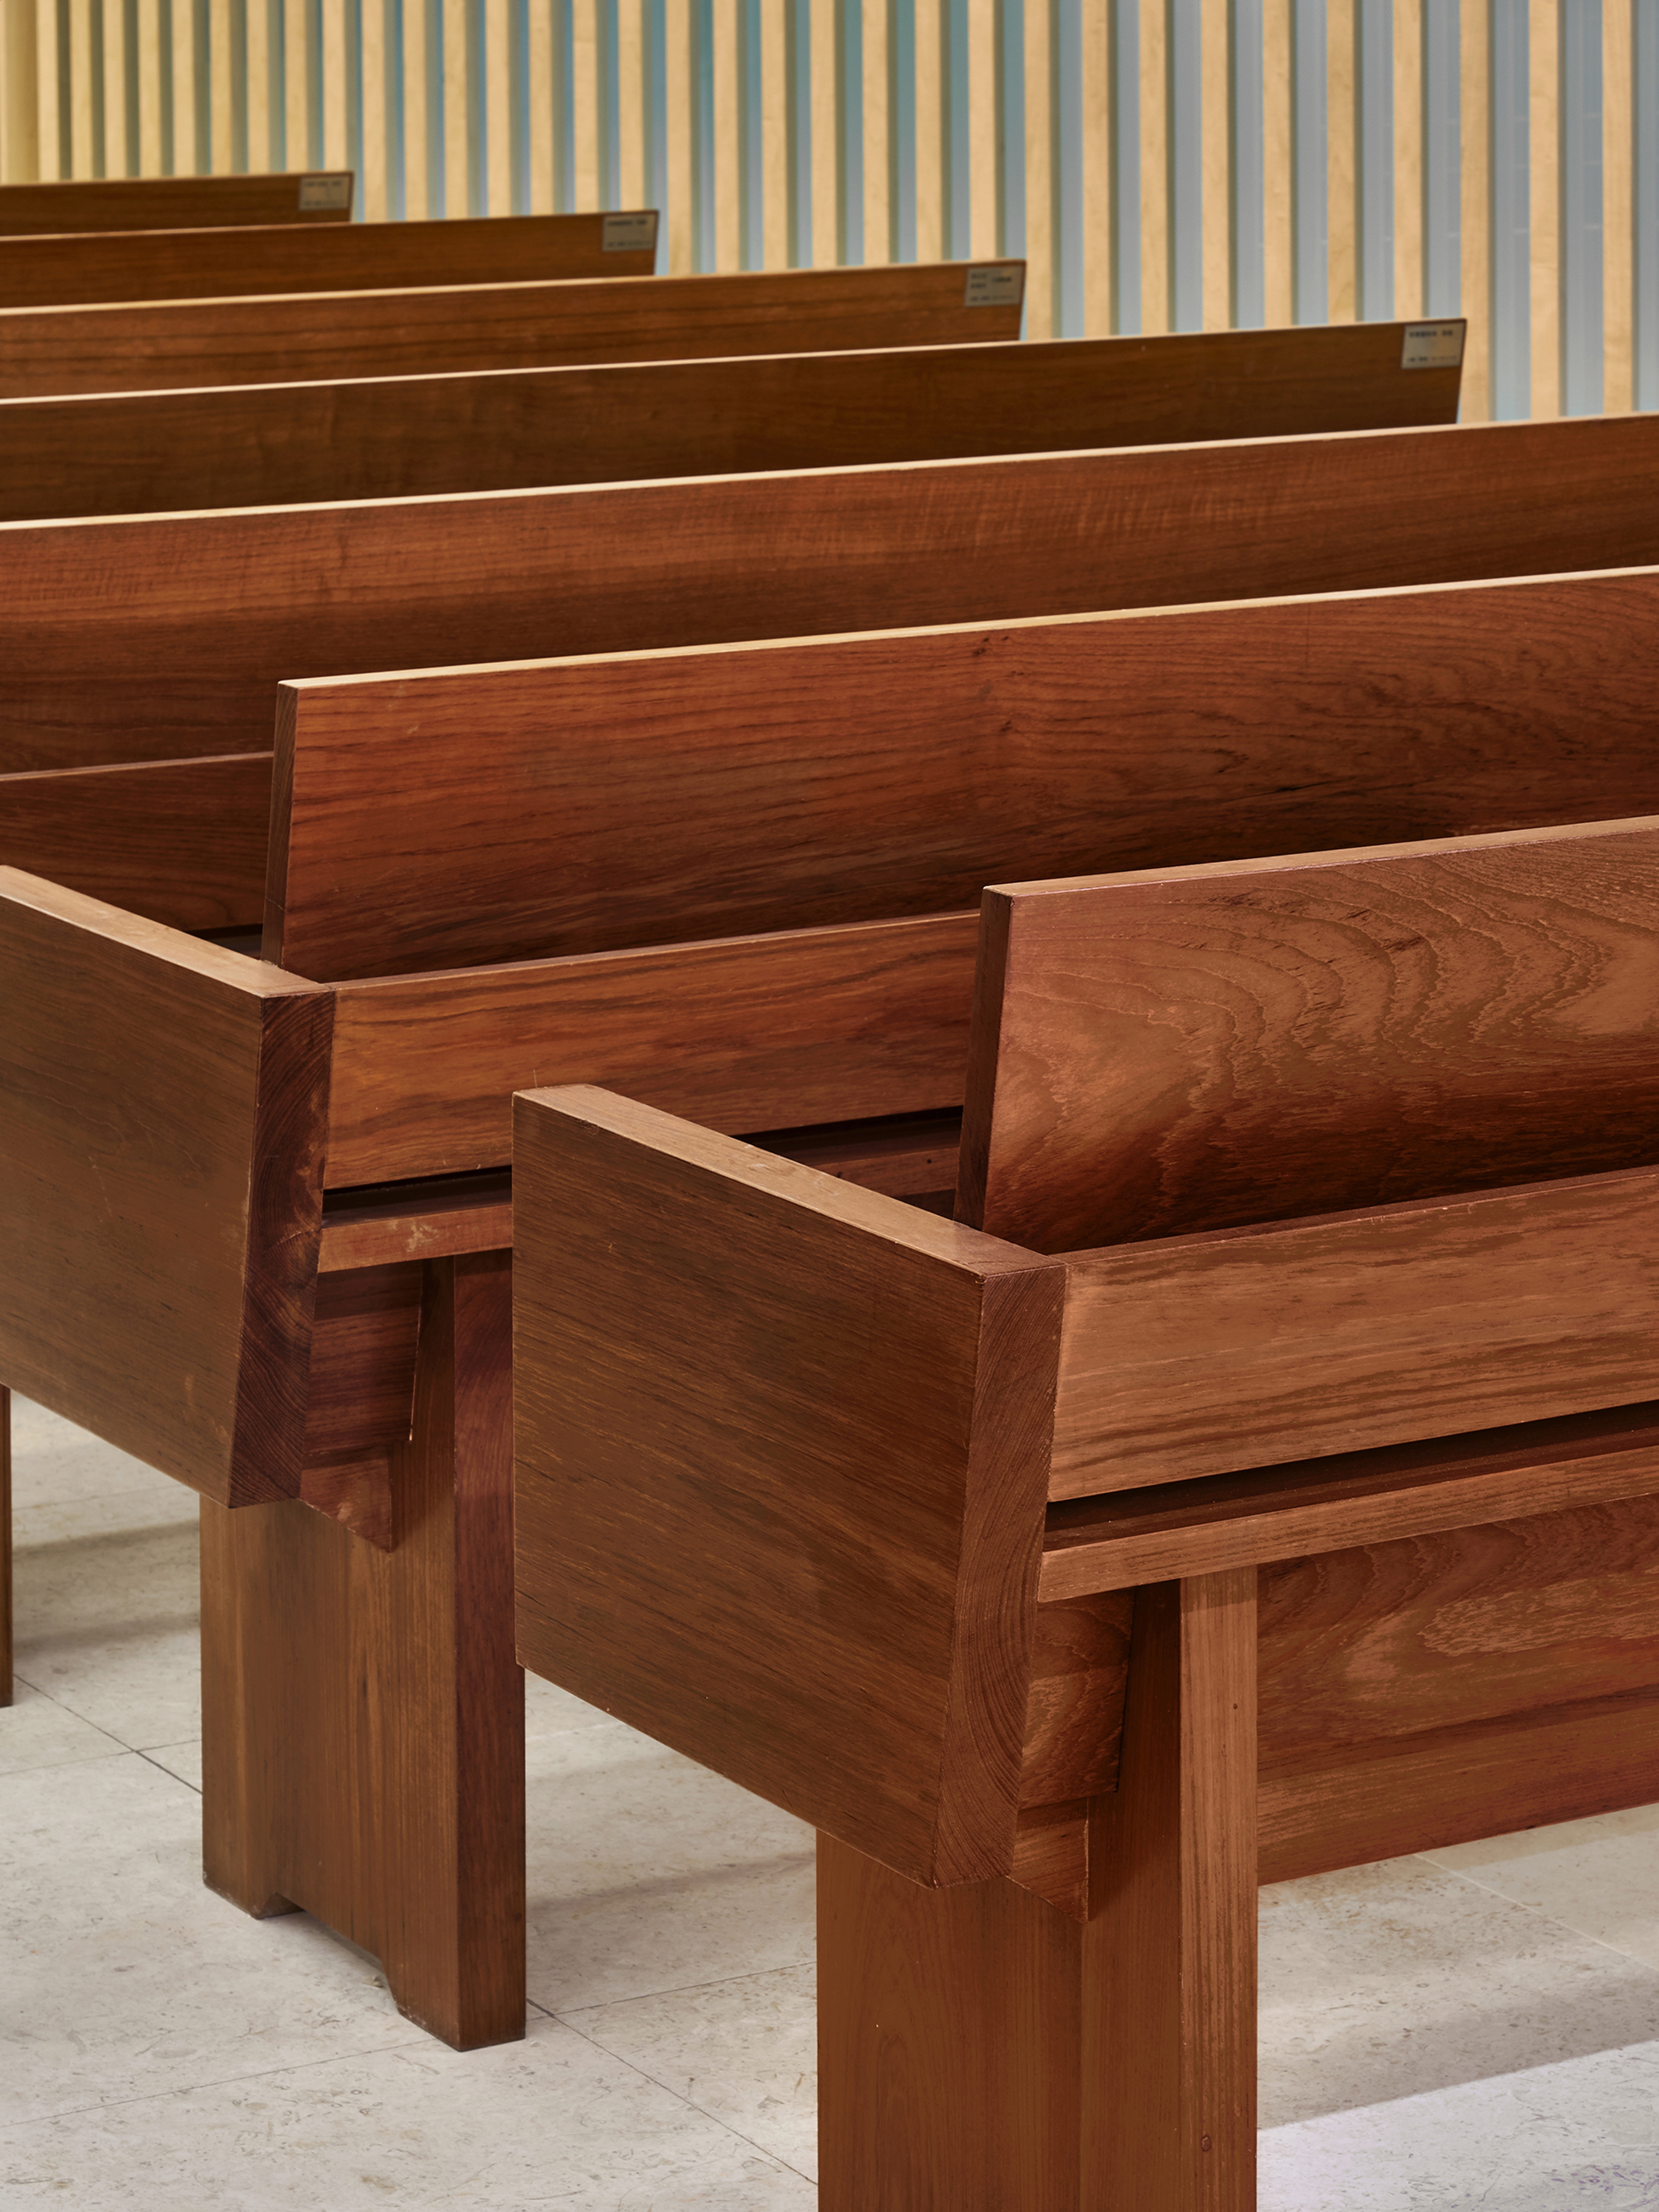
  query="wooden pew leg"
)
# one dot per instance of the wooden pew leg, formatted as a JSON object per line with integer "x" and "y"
{"x": 362, "y": 1715}
{"x": 5, "y": 1547}
{"x": 980, "y": 2051}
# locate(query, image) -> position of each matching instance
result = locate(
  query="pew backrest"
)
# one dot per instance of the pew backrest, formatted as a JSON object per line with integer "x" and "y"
{"x": 424, "y": 330}
{"x": 97, "y": 203}
{"x": 250, "y": 445}
{"x": 51, "y": 271}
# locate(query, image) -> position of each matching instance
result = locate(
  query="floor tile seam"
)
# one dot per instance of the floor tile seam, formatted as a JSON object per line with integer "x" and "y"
{"x": 681, "y": 1989}
{"x": 120, "y": 1742}
{"x": 218, "y": 2081}
{"x": 692, "y": 2105}
{"x": 1567, "y": 1927}
{"x": 194, "y": 1788}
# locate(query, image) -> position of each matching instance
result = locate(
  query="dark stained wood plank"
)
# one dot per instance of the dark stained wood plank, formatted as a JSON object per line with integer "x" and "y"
{"x": 358, "y": 1494}
{"x": 745, "y": 1033}
{"x": 113, "y": 265}
{"x": 161, "y": 1121}
{"x": 359, "y": 1397}
{"x": 160, "y": 637}
{"x": 901, "y": 772}
{"x": 379, "y": 1227}
{"x": 1246, "y": 1347}
{"x": 182, "y": 842}
{"x": 1168, "y": 2009}
{"x": 397, "y": 1818}
{"x": 419, "y": 330}
{"x": 816, "y": 1572}
{"x": 1074, "y": 1705}
{"x": 1352, "y": 1028}
{"x": 175, "y": 202}
{"x": 1201, "y": 1526}
{"x": 403, "y": 437}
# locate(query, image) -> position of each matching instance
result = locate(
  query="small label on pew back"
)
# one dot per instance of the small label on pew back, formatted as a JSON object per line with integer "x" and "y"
{"x": 630, "y": 234}
{"x": 1433, "y": 345}
{"x": 1000, "y": 284}
{"x": 326, "y": 195}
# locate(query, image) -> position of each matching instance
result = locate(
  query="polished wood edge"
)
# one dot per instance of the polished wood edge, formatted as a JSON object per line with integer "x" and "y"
{"x": 154, "y": 938}
{"x": 377, "y": 1227}
{"x": 1359, "y": 1497}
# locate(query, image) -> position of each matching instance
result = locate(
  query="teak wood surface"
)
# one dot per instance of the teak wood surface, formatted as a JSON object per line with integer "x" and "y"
{"x": 95, "y": 204}
{"x": 896, "y": 772}
{"x": 106, "y": 266}
{"x": 162, "y": 1122}
{"x": 424, "y": 330}
{"x": 159, "y": 637}
{"x": 250, "y": 445}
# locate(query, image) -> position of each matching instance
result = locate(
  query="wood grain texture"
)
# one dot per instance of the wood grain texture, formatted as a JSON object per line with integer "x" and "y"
{"x": 359, "y": 1399}
{"x": 99, "y": 203}
{"x": 898, "y": 771}
{"x": 419, "y": 330}
{"x": 182, "y": 842}
{"x": 1200, "y": 1048}
{"x": 744, "y": 1033}
{"x": 1398, "y": 1491}
{"x": 1051, "y": 1855}
{"x": 107, "y": 266}
{"x": 1074, "y": 1707}
{"x": 379, "y": 1227}
{"x": 358, "y": 1494}
{"x": 1169, "y": 2014}
{"x": 157, "y": 638}
{"x": 1200, "y": 1355}
{"x": 948, "y": 2041}
{"x": 363, "y": 1717}
{"x": 798, "y": 1541}
{"x": 161, "y": 1118}
{"x": 251, "y": 446}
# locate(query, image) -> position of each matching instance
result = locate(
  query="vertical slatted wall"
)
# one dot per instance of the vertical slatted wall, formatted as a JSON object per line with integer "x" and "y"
{"x": 1162, "y": 163}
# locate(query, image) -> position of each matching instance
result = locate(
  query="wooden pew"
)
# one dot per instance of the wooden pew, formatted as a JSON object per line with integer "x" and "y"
{"x": 671, "y": 914}
{"x": 195, "y": 618}
{"x": 91, "y": 204}
{"x": 447, "y": 329}
{"x": 979, "y": 1544}
{"x": 404, "y": 437}
{"x": 52, "y": 271}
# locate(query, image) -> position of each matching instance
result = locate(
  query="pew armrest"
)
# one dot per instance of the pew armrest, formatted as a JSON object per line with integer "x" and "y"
{"x": 162, "y": 1107}
{"x": 782, "y": 1451}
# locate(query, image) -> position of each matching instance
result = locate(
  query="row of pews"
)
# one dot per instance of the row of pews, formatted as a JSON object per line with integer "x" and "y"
{"x": 1093, "y": 1391}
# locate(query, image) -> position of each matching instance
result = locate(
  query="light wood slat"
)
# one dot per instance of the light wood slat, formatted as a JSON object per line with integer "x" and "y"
{"x": 220, "y": 88}
{"x": 826, "y": 137}
{"x": 296, "y": 81}
{"x": 877, "y": 20}
{"x": 1618, "y": 207}
{"x": 585, "y": 104}
{"x": 18, "y": 114}
{"x": 1544, "y": 158}
{"x": 456, "y": 90}
{"x": 1278, "y": 200}
{"x": 1217, "y": 65}
{"x": 775, "y": 134}
{"x": 335, "y": 152}
{"x": 1154, "y": 166}
{"x": 1474, "y": 251}
{"x": 680, "y": 150}
{"x": 181, "y": 61}
{"x": 1099, "y": 141}
{"x": 498, "y": 94}
{"x": 116, "y": 150}
{"x": 984, "y": 152}
{"x": 929, "y": 131}
{"x": 539, "y": 61}
{"x": 727, "y": 25}
{"x": 1039, "y": 35}
{"x": 376, "y": 163}
{"x": 82, "y": 162}
{"x": 631, "y": 120}
{"x": 1408, "y": 158}
{"x": 1342, "y": 167}
{"x": 48, "y": 114}
{"x": 149, "y": 85}
{"x": 257, "y": 75}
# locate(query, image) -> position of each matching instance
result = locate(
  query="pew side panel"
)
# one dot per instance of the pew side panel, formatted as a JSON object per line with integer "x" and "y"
{"x": 197, "y": 264}
{"x": 161, "y": 1117}
{"x": 162, "y": 636}
{"x": 173, "y": 345}
{"x": 404, "y": 437}
{"x": 781, "y": 1451}
{"x": 95, "y": 204}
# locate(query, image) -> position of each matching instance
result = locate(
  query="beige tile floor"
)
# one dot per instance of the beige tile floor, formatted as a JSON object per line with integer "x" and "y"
{"x": 1476, "y": 2027}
